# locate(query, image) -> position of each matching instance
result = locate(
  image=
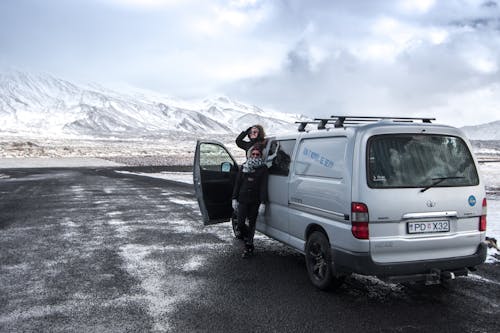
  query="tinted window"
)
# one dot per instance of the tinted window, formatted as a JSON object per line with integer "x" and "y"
{"x": 322, "y": 157}
{"x": 279, "y": 157}
{"x": 419, "y": 161}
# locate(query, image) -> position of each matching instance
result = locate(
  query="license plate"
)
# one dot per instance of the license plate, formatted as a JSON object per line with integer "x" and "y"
{"x": 429, "y": 226}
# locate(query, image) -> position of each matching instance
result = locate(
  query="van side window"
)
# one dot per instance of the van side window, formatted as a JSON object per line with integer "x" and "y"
{"x": 279, "y": 157}
{"x": 213, "y": 156}
{"x": 322, "y": 157}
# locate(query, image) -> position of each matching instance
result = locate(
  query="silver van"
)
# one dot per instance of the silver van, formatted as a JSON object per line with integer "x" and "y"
{"x": 398, "y": 198}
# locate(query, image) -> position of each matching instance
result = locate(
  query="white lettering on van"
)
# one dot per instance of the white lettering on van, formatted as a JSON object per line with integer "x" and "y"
{"x": 318, "y": 158}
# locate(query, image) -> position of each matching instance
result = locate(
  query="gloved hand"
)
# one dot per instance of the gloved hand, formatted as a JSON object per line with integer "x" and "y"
{"x": 235, "y": 204}
{"x": 249, "y": 130}
{"x": 262, "y": 209}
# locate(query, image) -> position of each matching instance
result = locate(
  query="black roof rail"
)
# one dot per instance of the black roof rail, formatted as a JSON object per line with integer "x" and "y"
{"x": 354, "y": 120}
{"x": 341, "y": 120}
{"x": 303, "y": 124}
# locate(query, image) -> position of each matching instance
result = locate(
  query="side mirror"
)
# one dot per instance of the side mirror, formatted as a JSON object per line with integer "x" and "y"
{"x": 225, "y": 167}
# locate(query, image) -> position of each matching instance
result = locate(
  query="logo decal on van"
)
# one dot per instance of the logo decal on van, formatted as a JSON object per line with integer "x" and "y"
{"x": 318, "y": 158}
{"x": 472, "y": 201}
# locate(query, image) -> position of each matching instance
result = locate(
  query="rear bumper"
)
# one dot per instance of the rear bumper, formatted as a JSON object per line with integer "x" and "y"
{"x": 361, "y": 263}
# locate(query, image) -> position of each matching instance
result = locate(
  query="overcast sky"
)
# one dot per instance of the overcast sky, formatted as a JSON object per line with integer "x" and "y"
{"x": 318, "y": 58}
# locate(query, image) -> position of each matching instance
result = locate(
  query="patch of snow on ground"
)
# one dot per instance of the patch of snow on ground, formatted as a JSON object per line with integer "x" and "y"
{"x": 116, "y": 222}
{"x": 69, "y": 223}
{"x": 490, "y": 173}
{"x": 183, "y": 202}
{"x": 183, "y": 177}
{"x": 493, "y": 228}
{"x": 9, "y": 163}
{"x": 193, "y": 264}
{"x": 114, "y": 213}
{"x": 182, "y": 228}
{"x": 480, "y": 278}
{"x": 160, "y": 294}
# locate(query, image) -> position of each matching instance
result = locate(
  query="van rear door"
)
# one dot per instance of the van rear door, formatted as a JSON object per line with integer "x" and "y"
{"x": 214, "y": 175}
{"x": 424, "y": 197}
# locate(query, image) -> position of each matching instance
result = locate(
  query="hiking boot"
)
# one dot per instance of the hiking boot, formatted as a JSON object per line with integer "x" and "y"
{"x": 248, "y": 251}
{"x": 246, "y": 254}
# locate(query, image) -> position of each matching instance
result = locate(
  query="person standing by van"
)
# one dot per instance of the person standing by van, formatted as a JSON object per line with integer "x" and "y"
{"x": 255, "y": 134}
{"x": 250, "y": 195}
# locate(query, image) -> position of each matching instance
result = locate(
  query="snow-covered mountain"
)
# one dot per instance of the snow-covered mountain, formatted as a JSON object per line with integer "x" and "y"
{"x": 45, "y": 105}
{"x": 488, "y": 131}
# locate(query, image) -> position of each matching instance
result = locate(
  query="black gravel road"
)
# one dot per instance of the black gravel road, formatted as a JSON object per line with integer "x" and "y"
{"x": 92, "y": 250}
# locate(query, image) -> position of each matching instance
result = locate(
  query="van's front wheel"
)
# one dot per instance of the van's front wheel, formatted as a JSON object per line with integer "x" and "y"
{"x": 319, "y": 262}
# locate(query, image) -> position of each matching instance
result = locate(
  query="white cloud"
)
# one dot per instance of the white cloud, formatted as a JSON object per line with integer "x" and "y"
{"x": 417, "y": 6}
{"x": 481, "y": 59}
{"x": 146, "y": 4}
{"x": 244, "y": 67}
{"x": 390, "y": 37}
{"x": 437, "y": 35}
{"x": 487, "y": 66}
{"x": 233, "y": 18}
{"x": 221, "y": 21}
{"x": 471, "y": 107}
{"x": 243, "y": 3}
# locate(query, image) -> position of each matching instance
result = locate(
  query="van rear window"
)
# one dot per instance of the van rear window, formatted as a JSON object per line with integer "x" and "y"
{"x": 418, "y": 160}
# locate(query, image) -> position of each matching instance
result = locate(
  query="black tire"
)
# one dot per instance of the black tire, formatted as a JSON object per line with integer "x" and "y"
{"x": 236, "y": 230}
{"x": 319, "y": 262}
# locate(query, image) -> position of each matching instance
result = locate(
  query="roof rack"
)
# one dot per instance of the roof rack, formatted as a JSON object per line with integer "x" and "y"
{"x": 341, "y": 120}
{"x": 321, "y": 124}
{"x": 353, "y": 120}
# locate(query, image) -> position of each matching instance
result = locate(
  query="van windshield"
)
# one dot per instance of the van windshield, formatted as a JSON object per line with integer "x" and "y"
{"x": 418, "y": 160}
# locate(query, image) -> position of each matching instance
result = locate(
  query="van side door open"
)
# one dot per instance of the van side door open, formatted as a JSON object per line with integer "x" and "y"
{"x": 279, "y": 161}
{"x": 214, "y": 174}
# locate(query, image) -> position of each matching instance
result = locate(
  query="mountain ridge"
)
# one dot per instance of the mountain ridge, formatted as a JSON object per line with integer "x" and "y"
{"x": 40, "y": 103}
{"x": 487, "y": 131}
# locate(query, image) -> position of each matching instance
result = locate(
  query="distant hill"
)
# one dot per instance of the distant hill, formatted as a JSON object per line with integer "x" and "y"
{"x": 489, "y": 131}
{"x": 34, "y": 103}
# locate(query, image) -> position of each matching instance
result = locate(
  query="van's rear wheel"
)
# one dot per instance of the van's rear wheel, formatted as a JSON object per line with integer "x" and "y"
{"x": 319, "y": 262}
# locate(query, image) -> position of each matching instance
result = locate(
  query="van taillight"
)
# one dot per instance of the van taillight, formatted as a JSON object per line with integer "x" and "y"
{"x": 482, "y": 219}
{"x": 359, "y": 220}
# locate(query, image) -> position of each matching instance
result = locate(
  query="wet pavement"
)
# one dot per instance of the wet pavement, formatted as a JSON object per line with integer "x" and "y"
{"x": 94, "y": 250}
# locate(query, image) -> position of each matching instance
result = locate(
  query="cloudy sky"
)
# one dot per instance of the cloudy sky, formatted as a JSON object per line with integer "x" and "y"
{"x": 318, "y": 58}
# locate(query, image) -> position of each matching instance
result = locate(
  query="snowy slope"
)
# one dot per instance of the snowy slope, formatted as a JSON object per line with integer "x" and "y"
{"x": 43, "y": 104}
{"x": 489, "y": 131}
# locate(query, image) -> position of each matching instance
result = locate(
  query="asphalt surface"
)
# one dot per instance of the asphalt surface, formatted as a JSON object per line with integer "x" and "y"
{"x": 91, "y": 250}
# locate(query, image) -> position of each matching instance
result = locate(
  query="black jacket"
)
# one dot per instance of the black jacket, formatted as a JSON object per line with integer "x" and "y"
{"x": 251, "y": 187}
{"x": 245, "y": 144}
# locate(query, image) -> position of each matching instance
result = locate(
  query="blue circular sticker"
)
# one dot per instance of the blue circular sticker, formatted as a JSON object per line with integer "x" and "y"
{"x": 472, "y": 201}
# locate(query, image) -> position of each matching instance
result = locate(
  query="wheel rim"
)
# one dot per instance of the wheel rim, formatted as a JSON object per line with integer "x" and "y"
{"x": 317, "y": 261}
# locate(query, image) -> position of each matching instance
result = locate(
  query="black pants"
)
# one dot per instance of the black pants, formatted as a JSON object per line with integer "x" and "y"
{"x": 250, "y": 211}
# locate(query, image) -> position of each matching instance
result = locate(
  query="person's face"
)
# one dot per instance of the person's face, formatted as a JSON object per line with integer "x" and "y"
{"x": 255, "y": 154}
{"x": 254, "y": 133}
